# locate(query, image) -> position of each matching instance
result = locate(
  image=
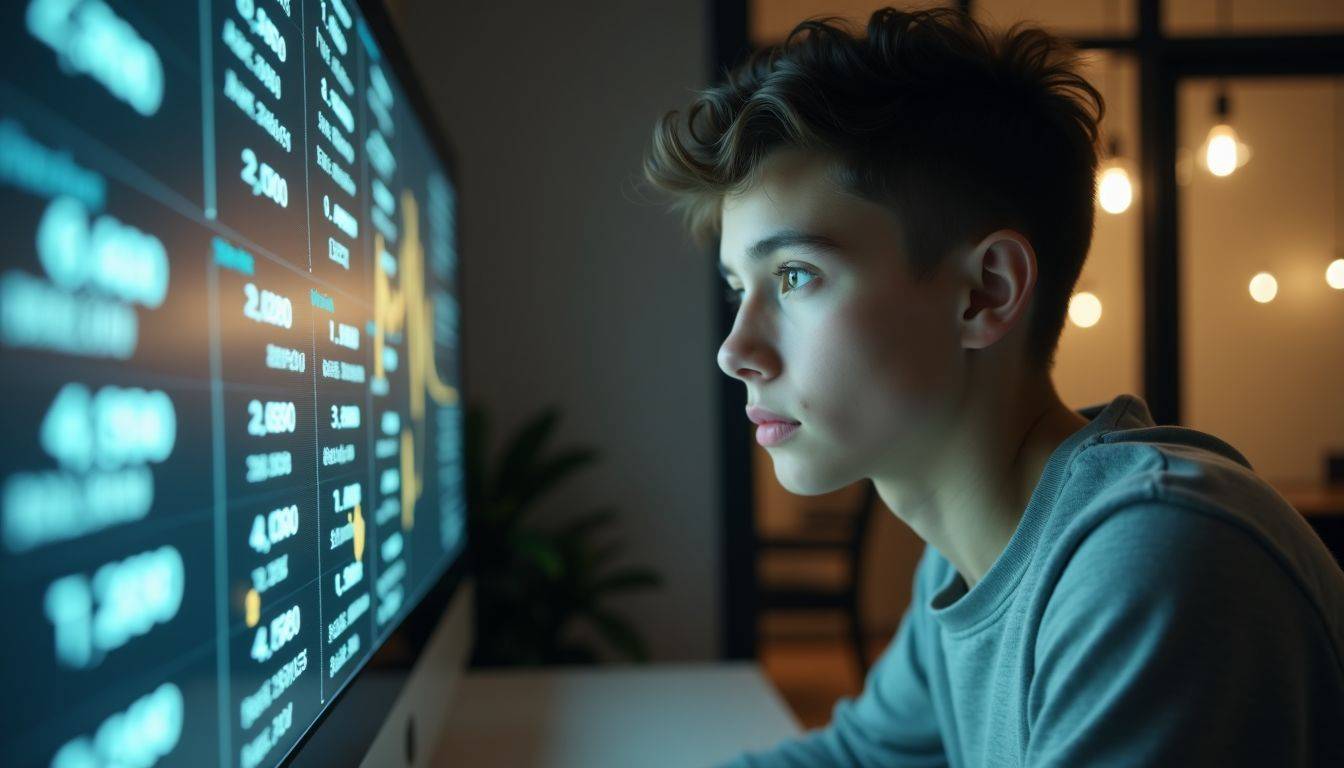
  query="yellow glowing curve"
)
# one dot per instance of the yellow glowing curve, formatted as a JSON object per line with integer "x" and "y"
{"x": 252, "y": 607}
{"x": 406, "y": 308}
{"x": 356, "y": 519}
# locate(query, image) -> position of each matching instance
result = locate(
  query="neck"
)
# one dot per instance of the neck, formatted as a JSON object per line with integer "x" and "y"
{"x": 968, "y": 498}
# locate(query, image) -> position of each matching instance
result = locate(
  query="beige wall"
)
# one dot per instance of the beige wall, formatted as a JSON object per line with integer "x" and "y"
{"x": 1199, "y": 17}
{"x": 771, "y": 20}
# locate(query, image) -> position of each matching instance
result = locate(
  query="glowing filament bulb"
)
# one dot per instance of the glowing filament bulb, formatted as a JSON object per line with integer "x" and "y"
{"x": 1084, "y": 309}
{"x": 1114, "y": 190}
{"x": 1264, "y": 287}
{"x": 1334, "y": 275}
{"x": 1223, "y": 153}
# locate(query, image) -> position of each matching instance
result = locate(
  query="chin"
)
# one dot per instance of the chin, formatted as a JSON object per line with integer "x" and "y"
{"x": 804, "y": 478}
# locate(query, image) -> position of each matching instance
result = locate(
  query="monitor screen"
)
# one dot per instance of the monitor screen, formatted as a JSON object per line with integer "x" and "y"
{"x": 232, "y": 456}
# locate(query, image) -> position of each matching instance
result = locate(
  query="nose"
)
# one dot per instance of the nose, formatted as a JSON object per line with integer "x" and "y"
{"x": 745, "y": 355}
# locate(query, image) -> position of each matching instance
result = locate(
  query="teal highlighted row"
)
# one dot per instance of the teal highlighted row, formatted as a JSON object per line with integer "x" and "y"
{"x": 44, "y": 171}
{"x": 321, "y": 300}
{"x": 230, "y": 256}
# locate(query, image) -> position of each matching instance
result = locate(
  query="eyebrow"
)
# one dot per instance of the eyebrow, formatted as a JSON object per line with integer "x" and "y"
{"x": 788, "y": 238}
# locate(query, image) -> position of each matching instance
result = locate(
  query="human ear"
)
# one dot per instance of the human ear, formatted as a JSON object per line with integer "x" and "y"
{"x": 1000, "y": 280}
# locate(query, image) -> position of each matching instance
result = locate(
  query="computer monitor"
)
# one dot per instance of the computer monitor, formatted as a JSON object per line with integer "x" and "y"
{"x": 232, "y": 512}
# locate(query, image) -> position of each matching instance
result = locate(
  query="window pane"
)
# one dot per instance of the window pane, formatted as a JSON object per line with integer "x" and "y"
{"x": 1280, "y": 17}
{"x": 1266, "y": 377}
{"x": 1099, "y": 361}
{"x": 771, "y": 20}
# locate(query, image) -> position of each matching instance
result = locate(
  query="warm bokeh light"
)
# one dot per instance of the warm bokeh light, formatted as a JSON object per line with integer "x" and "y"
{"x": 1114, "y": 190}
{"x": 1264, "y": 287}
{"x": 1084, "y": 309}
{"x": 1334, "y": 275}
{"x": 1223, "y": 151}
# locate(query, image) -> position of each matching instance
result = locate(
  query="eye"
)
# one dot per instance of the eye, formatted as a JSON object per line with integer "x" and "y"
{"x": 794, "y": 277}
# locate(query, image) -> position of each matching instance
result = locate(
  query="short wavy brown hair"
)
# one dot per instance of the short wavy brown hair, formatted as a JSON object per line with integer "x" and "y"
{"x": 957, "y": 129}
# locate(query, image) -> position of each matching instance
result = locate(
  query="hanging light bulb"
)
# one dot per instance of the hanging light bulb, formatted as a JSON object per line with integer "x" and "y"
{"x": 1264, "y": 287}
{"x": 1115, "y": 191}
{"x": 1220, "y": 150}
{"x": 1084, "y": 309}
{"x": 1334, "y": 275}
{"x": 1224, "y": 152}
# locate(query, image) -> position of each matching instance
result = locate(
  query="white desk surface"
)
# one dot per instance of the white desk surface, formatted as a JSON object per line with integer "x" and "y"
{"x": 648, "y": 716}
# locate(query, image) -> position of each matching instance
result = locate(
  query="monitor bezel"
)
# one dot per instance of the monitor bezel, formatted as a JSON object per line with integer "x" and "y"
{"x": 403, "y": 646}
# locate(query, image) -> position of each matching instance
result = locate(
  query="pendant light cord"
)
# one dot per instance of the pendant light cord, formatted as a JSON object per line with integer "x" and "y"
{"x": 1223, "y": 24}
{"x": 1338, "y": 93}
{"x": 1112, "y": 21}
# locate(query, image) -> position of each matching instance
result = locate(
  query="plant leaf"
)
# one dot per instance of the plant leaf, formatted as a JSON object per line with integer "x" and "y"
{"x": 596, "y": 559}
{"x": 619, "y": 633}
{"x": 542, "y": 552}
{"x": 521, "y": 452}
{"x": 533, "y": 583}
{"x": 543, "y": 478}
{"x": 576, "y": 529}
{"x": 625, "y": 580}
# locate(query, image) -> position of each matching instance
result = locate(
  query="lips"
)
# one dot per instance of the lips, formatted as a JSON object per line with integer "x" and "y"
{"x": 774, "y": 432}
{"x": 771, "y": 428}
{"x": 759, "y": 415}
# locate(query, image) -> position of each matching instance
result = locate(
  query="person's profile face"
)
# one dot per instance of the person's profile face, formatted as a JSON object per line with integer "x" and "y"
{"x": 842, "y": 341}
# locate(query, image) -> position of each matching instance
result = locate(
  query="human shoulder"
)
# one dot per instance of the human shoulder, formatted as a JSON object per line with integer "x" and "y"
{"x": 1174, "y": 636}
{"x": 1169, "y": 506}
{"x": 1178, "y": 568}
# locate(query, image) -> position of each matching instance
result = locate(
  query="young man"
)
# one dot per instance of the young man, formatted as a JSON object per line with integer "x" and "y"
{"x": 902, "y": 217}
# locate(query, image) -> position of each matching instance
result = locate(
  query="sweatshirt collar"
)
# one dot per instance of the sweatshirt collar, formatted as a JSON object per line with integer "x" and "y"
{"x": 963, "y": 611}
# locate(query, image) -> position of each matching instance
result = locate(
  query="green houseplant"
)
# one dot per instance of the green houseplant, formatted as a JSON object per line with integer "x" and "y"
{"x": 535, "y": 585}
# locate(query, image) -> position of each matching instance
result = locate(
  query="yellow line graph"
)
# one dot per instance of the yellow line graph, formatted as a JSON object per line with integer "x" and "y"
{"x": 356, "y": 519}
{"x": 405, "y": 311}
